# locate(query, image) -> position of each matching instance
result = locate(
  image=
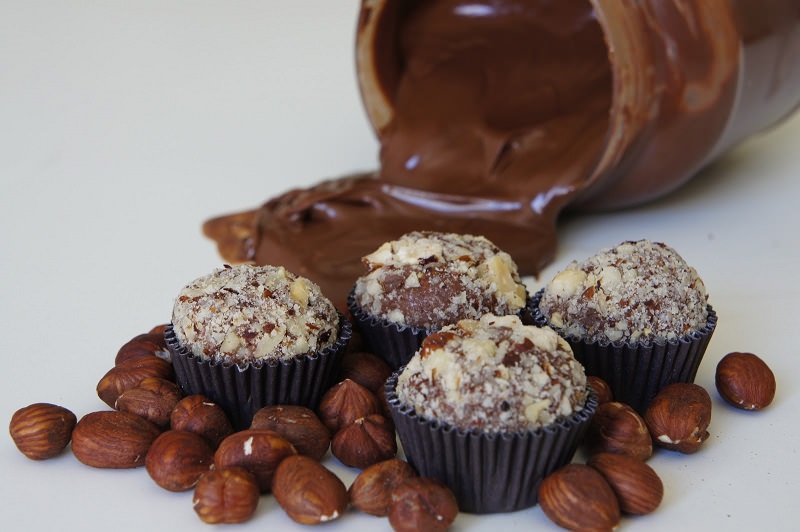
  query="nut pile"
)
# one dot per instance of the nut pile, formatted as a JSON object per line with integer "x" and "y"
{"x": 187, "y": 443}
{"x": 616, "y": 479}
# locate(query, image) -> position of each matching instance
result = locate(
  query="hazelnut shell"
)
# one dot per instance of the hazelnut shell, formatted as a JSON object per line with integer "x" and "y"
{"x": 678, "y": 417}
{"x": 308, "y": 492}
{"x": 229, "y": 495}
{"x": 745, "y": 381}
{"x": 578, "y": 497}
{"x": 41, "y": 430}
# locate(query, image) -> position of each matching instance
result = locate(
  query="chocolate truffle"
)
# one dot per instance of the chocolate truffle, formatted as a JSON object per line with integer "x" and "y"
{"x": 245, "y": 313}
{"x": 636, "y": 291}
{"x": 250, "y": 336}
{"x": 430, "y": 279}
{"x": 635, "y": 315}
{"x": 494, "y": 375}
{"x": 491, "y": 407}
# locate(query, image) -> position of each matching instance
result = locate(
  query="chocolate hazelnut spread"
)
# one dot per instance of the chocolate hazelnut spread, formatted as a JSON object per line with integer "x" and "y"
{"x": 496, "y": 116}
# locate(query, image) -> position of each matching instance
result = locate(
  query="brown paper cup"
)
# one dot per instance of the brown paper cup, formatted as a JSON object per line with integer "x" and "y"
{"x": 487, "y": 472}
{"x": 394, "y": 343}
{"x": 242, "y": 389}
{"x": 636, "y": 371}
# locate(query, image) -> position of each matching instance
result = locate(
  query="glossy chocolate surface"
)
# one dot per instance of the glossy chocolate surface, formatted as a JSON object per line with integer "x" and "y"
{"x": 496, "y": 116}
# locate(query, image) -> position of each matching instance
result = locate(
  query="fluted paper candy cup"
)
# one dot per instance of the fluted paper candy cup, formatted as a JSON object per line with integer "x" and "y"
{"x": 489, "y": 472}
{"x": 241, "y": 389}
{"x": 393, "y": 342}
{"x": 636, "y": 371}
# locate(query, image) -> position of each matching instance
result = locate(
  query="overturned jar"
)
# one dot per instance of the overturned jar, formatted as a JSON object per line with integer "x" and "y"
{"x": 496, "y": 116}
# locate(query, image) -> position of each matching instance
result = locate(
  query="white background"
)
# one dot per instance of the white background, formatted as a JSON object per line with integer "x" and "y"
{"x": 124, "y": 125}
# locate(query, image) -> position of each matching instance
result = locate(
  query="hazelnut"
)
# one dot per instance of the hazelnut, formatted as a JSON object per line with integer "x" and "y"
{"x": 229, "y": 495}
{"x": 367, "y": 369}
{"x": 678, "y": 417}
{"x": 638, "y": 487}
{"x": 420, "y": 503}
{"x": 745, "y": 381}
{"x": 357, "y": 342}
{"x": 258, "y": 451}
{"x": 143, "y": 345}
{"x": 578, "y": 497}
{"x": 129, "y": 374}
{"x": 177, "y": 459}
{"x": 158, "y": 332}
{"x": 112, "y": 440}
{"x": 196, "y": 413}
{"x": 41, "y": 430}
{"x": 601, "y": 389}
{"x": 617, "y": 428}
{"x": 153, "y": 398}
{"x": 386, "y": 409}
{"x": 371, "y": 491}
{"x": 298, "y": 424}
{"x": 307, "y": 491}
{"x": 345, "y": 402}
{"x": 364, "y": 442}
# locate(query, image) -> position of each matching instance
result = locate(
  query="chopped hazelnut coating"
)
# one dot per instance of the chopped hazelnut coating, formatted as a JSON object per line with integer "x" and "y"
{"x": 636, "y": 291}
{"x": 494, "y": 374}
{"x": 429, "y": 279}
{"x": 249, "y": 313}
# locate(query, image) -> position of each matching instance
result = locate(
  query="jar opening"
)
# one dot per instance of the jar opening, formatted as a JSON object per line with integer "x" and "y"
{"x": 501, "y": 93}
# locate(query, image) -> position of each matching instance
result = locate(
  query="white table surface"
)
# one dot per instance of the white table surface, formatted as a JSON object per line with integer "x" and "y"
{"x": 124, "y": 125}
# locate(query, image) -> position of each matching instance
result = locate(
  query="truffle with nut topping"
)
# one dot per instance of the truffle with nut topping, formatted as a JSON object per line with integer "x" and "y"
{"x": 430, "y": 279}
{"x": 636, "y": 291}
{"x": 494, "y": 375}
{"x": 246, "y": 313}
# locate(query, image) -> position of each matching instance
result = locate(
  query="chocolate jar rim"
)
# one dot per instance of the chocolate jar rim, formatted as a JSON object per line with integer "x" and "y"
{"x": 711, "y": 66}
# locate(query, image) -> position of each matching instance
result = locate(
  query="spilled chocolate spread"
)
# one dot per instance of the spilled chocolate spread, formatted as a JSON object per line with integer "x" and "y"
{"x": 495, "y": 116}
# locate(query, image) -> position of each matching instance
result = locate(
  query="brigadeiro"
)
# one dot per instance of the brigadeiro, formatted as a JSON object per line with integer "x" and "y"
{"x": 491, "y": 407}
{"x": 636, "y": 315}
{"x": 248, "y": 336}
{"x": 425, "y": 280}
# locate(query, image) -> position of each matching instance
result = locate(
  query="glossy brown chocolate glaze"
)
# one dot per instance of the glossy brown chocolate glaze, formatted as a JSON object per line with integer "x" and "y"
{"x": 723, "y": 70}
{"x": 501, "y": 114}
